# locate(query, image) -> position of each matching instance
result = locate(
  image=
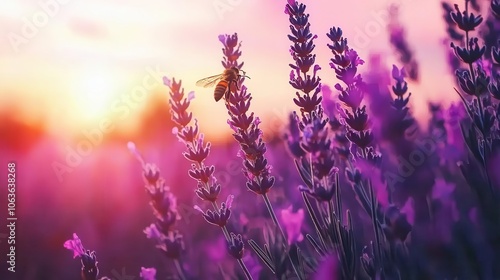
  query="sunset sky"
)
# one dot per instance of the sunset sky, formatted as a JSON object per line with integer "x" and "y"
{"x": 71, "y": 64}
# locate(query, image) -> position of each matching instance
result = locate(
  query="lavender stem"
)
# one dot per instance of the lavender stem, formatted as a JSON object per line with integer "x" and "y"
{"x": 180, "y": 271}
{"x": 277, "y": 224}
{"x": 273, "y": 216}
{"x": 245, "y": 269}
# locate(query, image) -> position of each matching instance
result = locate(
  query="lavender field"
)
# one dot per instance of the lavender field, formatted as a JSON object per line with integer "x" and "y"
{"x": 349, "y": 183}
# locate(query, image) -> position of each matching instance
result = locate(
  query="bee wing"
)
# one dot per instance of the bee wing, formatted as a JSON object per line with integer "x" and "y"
{"x": 209, "y": 81}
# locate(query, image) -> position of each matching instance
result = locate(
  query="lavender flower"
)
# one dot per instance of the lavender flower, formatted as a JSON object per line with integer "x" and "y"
{"x": 398, "y": 40}
{"x": 301, "y": 51}
{"x": 246, "y": 128}
{"x": 236, "y": 246}
{"x": 345, "y": 63}
{"x": 476, "y": 83}
{"x": 318, "y": 170}
{"x": 208, "y": 189}
{"x": 481, "y": 134}
{"x": 170, "y": 242}
{"x": 249, "y": 136}
{"x": 400, "y": 119}
{"x": 75, "y": 245}
{"x": 231, "y": 51}
{"x": 221, "y": 217}
{"x": 466, "y": 21}
{"x": 317, "y": 167}
{"x": 452, "y": 32}
{"x": 88, "y": 258}
{"x": 164, "y": 205}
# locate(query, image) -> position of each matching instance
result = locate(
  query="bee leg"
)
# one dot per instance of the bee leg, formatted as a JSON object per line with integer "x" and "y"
{"x": 237, "y": 86}
{"x": 228, "y": 90}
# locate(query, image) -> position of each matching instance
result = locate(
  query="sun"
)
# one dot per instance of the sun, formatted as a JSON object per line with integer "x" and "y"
{"x": 93, "y": 88}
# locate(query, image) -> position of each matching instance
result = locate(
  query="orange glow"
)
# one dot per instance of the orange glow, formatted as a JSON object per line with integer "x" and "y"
{"x": 90, "y": 54}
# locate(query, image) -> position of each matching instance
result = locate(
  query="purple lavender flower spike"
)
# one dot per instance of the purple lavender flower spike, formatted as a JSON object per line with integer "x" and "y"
{"x": 208, "y": 189}
{"x": 164, "y": 206}
{"x": 246, "y": 128}
{"x": 345, "y": 62}
{"x": 315, "y": 142}
{"x": 197, "y": 151}
{"x": 163, "y": 202}
{"x": 400, "y": 44}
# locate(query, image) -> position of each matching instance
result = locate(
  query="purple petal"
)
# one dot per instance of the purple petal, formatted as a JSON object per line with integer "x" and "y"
{"x": 75, "y": 245}
{"x": 197, "y": 208}
{"x": 148, "y": 273}
{"x": 222, "y": 39}
{"x": 152, "y": 232}
{"x": 175, "y": 130}
{"x": 190, "y": 96}
{"x": 166, "y": 81}
{"x": 229, "y": 201}
{"x": 395, "y": 72}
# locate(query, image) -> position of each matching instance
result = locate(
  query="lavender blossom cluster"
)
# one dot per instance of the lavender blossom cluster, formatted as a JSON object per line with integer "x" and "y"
{"x": 385, "y": 198}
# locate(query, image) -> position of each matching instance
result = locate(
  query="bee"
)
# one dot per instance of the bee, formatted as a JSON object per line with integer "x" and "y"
{"x": 223, "y": 82}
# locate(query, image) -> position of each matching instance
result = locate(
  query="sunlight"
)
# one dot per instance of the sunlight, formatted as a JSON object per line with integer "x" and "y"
{"x": 11, "y": 9}
{"x": 93, "y": 89}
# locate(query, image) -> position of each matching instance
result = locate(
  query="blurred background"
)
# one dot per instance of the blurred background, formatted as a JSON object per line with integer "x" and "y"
{"x": 79, "y": 79}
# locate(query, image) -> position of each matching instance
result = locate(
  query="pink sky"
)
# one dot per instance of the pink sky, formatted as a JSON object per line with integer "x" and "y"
{"x": 81, "y": 62}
